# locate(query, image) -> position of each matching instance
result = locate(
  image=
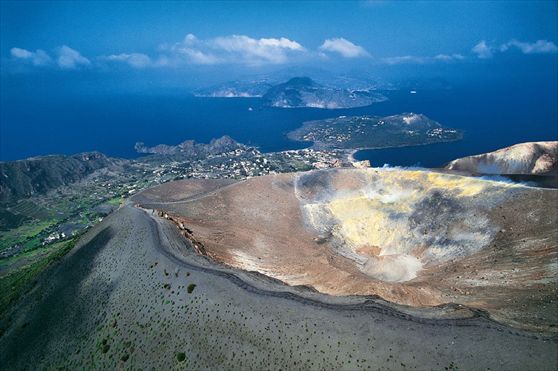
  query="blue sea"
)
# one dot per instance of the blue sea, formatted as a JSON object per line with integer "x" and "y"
{"x": 491, "y": 117}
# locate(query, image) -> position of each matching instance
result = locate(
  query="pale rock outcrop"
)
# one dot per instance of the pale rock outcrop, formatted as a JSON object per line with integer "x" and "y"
{"x": 532, "y": 158}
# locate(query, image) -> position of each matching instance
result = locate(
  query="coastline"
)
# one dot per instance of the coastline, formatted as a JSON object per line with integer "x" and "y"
{"x": 351, "y": 152}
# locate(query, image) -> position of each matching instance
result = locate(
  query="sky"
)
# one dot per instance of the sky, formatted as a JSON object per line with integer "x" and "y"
{"x": 150, "y": 44}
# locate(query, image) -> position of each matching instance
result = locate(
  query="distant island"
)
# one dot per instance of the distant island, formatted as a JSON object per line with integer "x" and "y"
{"x": 356, "y": 132}
{"x": 303, "y": 92}
{"x": 298, "y": 92}
{"x": 236, "y": 89}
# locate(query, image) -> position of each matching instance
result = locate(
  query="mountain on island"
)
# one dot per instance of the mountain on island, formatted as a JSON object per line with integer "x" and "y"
{"x": 236, "y": 89}
{"x": 304, "y": 92}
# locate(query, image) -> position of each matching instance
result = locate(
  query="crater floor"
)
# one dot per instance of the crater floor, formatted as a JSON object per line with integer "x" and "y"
{"x": 415, "y": 238}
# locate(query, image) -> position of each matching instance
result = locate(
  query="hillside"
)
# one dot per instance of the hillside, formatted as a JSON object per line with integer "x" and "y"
{"x": 38, "y": 175}
{"x": 304, "y": 92}
{"x": 531, "y": 158}
{"x": 133, "y": 294}
{"x": 236, "y": 89}
{"x": 191, "y": 148}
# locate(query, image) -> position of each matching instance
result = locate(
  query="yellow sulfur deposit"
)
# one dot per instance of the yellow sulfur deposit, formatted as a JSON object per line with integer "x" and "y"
{"x": 396, "y": 221}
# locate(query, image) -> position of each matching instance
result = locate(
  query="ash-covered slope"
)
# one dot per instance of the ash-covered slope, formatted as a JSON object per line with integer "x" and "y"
{"x": 38, "y": 175}
{"x": 304, "y": 92}
{"x": 416, "y": 238}
{"x": 134, "y": 295}
{"x": 532, "y": 158}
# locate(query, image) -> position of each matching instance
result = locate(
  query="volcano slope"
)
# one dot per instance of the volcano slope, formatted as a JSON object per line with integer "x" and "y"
{"x": 414, "y": 238}
{"x": 125, "y": 296}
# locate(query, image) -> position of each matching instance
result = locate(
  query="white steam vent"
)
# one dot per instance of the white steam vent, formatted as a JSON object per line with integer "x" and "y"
{"x": 393, "y": 224}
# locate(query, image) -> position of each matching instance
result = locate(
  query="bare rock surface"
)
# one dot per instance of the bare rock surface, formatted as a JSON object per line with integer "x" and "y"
{"x": 120, "y": 300}
{"x": 532, "y": 158}
{"x": 135, "y": 293}
{"x": 414, "y": 238}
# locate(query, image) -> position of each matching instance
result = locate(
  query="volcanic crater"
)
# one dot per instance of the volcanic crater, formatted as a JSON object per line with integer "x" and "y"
{"x": 412, "y": 237}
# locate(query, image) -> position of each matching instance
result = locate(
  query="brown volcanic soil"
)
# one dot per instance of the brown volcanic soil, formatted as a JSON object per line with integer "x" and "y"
{"x": 257, "y": 226}
{"x": 497, "y": 249}
{"x": 120, "y": 300}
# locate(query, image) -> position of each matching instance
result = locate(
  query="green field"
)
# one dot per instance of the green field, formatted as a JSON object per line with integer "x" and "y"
{"x": 21, "y": 280}
{"x": 9, "y": 220}
{"x": 27, "y": 223}
{"x": 26, "y": 235}
{"x": 32, "y": 210}
{"x": 116, "y": 201}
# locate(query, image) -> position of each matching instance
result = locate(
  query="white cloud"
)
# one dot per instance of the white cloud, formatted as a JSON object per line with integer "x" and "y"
{"x": 136, "y": 60}
{"x": 21, "y": 53}
{"x": 482, "y": 50}
{"x": 69, "y": 58}
{"x": 237, "y": 49}
{"x": 256, "y": 51}
{"x": 66, "y": 57}
{"x": 449, "y": 57}
{"x": 233, "y": 49}
{"x": 423, "y": 59}
{"x": 198, "y": 57}
{"x": 38, "y": 57}
{"x": 190, "y": 39}
{"x": 403, "y": 59}
{"x": 538, "y": 47}
{"x": 343, "y": 47}
{"x": 188, "y": 50}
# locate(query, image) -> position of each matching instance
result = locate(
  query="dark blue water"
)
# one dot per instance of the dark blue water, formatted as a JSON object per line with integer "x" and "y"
{"x": 491, "y": 118}
{"x": 113, "y": 123}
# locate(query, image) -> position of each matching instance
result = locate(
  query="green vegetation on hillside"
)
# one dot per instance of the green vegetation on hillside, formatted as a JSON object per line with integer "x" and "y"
{"x": 27, "y": 235}
{"x": 18, "y": 282}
